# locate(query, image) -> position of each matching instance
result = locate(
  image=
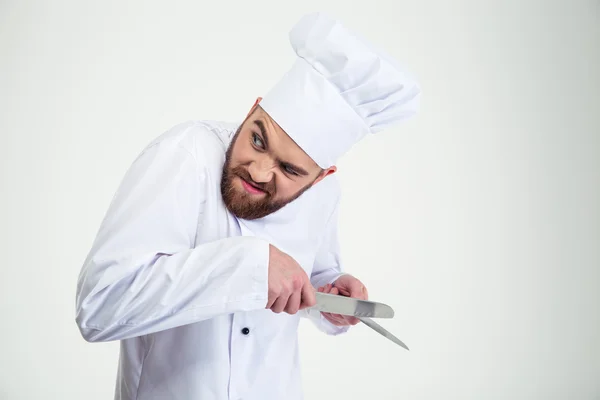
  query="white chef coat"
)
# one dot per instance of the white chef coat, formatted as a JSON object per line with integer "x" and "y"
{"x": 183, "y": 284}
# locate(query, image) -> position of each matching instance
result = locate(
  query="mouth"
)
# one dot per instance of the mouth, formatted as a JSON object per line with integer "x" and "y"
{"x": 251, "y": 188}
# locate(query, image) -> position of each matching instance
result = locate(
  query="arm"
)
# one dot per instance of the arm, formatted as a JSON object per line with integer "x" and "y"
{"x": 144, "y": 273}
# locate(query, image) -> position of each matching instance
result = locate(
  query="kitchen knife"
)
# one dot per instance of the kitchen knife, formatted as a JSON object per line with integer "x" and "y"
{"x": 343, "y": 305}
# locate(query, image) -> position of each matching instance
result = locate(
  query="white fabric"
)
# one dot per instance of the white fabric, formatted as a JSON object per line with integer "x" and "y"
{"x": 339, "y": 89}
{"x": 175, "y": 277}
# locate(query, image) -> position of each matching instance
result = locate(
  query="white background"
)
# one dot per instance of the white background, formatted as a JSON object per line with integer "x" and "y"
{"x": 478, "y": 221}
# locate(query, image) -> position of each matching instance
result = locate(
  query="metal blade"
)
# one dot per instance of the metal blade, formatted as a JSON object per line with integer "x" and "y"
{"x": 337, "y": 304}
{"x": 378, "y": 328}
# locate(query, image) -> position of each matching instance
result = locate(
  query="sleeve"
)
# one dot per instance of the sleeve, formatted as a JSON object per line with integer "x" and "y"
{"x": 327, "y": 268}
{"x": 144, "y": 273}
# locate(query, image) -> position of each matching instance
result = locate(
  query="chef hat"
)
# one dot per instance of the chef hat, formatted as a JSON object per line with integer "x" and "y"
{"x": 339, "y": 89}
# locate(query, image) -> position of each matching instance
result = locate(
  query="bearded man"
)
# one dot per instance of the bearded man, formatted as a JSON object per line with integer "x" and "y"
{"x": 220, "y": 233}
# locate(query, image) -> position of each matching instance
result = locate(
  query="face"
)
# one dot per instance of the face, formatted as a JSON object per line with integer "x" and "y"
{"x": 265, "y": 169}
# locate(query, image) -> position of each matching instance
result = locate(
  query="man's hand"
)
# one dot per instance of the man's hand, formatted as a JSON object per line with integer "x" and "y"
{"x": 290, "y": 289}
{"x": 349, "y": 286}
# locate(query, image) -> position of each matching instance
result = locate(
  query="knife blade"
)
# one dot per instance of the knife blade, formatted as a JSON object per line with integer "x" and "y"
{"x": 343, "y": 305}
{"x": 380, "y": 329}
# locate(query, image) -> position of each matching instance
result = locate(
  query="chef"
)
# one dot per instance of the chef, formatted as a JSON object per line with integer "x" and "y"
{"x": 220, "y": 233}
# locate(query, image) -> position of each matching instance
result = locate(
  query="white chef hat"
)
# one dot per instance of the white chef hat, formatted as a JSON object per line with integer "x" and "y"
{"x": 339, "y": 89}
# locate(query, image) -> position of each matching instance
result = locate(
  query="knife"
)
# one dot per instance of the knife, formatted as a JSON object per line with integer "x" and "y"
{"x": 380, "y": 329}
{"x": 362, "y": 309}
{"x": 335, "y": 304}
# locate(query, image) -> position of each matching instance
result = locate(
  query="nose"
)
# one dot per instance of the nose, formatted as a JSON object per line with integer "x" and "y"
{"x": 261, "y": 170}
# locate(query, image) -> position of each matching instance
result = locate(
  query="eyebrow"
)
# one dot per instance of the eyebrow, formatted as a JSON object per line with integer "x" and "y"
{"x": 263, "y": 131}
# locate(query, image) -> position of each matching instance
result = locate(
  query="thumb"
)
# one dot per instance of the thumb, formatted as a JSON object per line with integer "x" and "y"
{"x": 308, "y": 296}
{"x": 357, "y": 289}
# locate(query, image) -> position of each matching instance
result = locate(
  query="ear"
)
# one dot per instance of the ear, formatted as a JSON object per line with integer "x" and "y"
{"x": 325, "y": 173}
{"x": 258, "y": 99}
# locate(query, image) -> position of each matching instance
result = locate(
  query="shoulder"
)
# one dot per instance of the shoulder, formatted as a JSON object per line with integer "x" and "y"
{"x": 204, "y": 140}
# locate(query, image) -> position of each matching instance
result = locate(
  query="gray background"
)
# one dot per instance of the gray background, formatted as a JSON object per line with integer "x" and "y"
{"x": 479, "y": 221}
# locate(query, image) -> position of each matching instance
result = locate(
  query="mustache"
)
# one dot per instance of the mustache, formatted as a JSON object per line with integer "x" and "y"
{"x": 268, "y": 188}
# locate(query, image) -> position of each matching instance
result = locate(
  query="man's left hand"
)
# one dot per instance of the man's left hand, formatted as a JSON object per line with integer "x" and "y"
{"x": 349, "y": 286}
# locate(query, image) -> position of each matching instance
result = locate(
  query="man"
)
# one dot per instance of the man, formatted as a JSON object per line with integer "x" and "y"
{"x": 219, "y": 233}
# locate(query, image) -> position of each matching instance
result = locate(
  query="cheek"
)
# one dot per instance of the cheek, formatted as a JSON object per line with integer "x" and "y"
{"x": 287, "y": 188}
{"x": 242, "y": 153}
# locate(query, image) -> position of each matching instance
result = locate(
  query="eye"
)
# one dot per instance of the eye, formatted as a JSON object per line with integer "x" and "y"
{"x": 289, "y": 170}
{"x": 257, "y": 141}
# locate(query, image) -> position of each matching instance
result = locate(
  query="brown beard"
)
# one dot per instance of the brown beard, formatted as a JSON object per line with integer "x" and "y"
{"x": 241, "y": 204}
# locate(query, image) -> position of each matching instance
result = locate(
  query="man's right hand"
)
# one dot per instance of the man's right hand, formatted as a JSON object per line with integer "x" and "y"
{"x": 290, "y": 289}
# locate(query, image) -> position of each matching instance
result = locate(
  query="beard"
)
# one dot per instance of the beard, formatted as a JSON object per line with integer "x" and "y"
{"x": 242, "y": 204}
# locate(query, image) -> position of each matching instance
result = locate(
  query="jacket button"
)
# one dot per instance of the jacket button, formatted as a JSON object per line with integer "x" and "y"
{"x": 245, "y": 331}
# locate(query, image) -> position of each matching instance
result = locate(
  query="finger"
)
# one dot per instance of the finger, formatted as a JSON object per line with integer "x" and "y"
{"x": 271, "y": 300}
{"x": 280, "y": 304}
{"x": 364, "y": 291}
{"x": 293, "y": 303}
{"x": 355, "y": 289}
{"x": 358, "y": 290}
{"x": 328, "y": 317}
{"x": 339, "y": 317}
{"x": 333, "y": 290}
{"x": 351, "y": 320}
{"x": 335, "y": 321}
